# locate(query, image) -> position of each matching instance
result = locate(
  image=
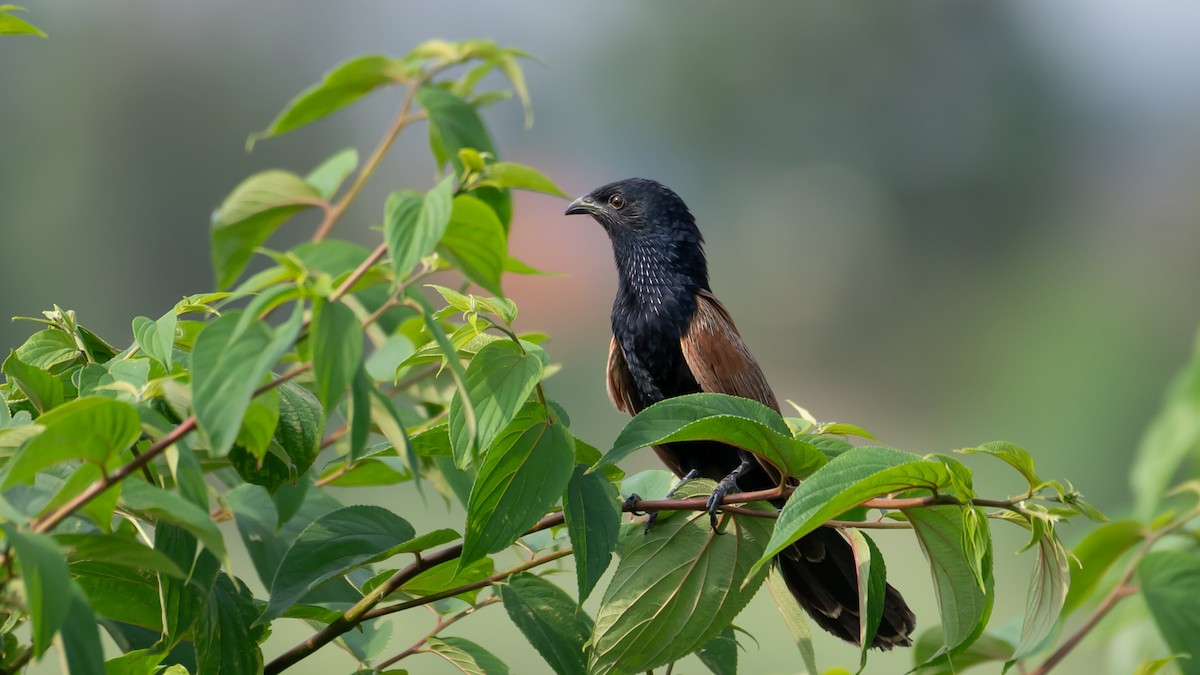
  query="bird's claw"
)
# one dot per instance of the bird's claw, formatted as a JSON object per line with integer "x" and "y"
{"x": 713, "y": 506}
{"x": 631, "y": 501}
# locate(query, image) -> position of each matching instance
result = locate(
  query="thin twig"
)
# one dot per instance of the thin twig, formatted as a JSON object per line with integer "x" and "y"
{"x": 441, "y": 625}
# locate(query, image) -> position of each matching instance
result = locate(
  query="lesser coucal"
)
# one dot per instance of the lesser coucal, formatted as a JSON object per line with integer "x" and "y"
{"x": 671, "y": 336}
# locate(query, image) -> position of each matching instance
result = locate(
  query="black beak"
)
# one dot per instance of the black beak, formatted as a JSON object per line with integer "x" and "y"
{"x": 584, "y": 204}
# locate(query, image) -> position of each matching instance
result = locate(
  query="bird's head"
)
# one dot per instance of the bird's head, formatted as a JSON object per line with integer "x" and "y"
{"x": 651, "y": 229}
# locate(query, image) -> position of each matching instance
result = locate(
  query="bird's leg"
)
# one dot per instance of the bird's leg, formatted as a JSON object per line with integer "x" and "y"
{"x": 727, "y": 483}
{"x": 671, "y": 493}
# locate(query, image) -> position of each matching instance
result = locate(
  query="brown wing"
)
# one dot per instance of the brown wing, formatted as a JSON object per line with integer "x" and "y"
{"x": 718, "y": 358}
{"x": 619, "y": 384}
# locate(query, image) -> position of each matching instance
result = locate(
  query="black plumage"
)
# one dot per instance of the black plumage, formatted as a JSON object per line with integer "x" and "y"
{"x": 671, "y": 336}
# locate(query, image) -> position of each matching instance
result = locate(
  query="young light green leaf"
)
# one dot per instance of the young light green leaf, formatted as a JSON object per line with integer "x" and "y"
{"x": 519, "y": 176}
{"x": 475, "y": 242}
{"x": 1047, "y": 591}
{"x": 1170, "y": 583}
{"x": 337, "y": 350}
{"x": 1012, "y": 455}
{"x": 551, "y": 621}
{"x": 737, "y": 421}
{"x": 1154, "y": 665}
{"x": 1171, "y": 438}
{"x": 249, "y": 215}
{"x": 498, "y": 382}
{"x": 987, "y": 648}
{"x": 136, "y": 662}
{"x": 592, "y": 508}
{"x": 42, "y": 389}
{"x": 48, "y": 348}
{"x": 92, "y": 428}
{"x": 226, "y": 636}
{"x": 794, "y": 617}
{"x": 13, "y": 25}
{"x": 845, "y": 482}
{"x": 157, "y": 338}
{"x": 42, "y": 566}
{"x": 466, "y": 656}
{"x": 675, "y": 588}
{"x": 964, "y": 606}
{"x": 328, "y": 175}
{"x": 872, "y": 587}
{"x": 414, "y": 224}
{"x": 140, "y": 496}
{"x": 258, "y": 425}
{"x": 523, "y": 475}
{"x": 331, "y": 546}
{"x": 340, "y": 87}
{"x": 1094, "y": 556}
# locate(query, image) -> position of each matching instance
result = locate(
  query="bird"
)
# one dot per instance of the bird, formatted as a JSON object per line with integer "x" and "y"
{"x": 671, "y": 337}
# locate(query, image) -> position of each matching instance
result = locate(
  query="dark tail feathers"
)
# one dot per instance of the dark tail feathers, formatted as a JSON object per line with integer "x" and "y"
{"x": 819, "y": 570}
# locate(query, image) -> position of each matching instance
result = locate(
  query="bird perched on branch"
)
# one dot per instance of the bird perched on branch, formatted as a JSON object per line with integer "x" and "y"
{"x": 671, "y": 337}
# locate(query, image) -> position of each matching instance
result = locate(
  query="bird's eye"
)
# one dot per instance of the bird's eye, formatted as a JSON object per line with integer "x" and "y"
{"x": 616, "y": 201}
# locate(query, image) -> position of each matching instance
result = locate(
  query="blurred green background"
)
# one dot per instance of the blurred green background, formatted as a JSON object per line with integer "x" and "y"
{"x": 947, "y": 222}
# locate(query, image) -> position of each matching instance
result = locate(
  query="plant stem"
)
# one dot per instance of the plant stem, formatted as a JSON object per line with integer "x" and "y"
{"x": 403, "y": 119}
{"x": 442, "y": 624}
{"x": 1119, "y": 592}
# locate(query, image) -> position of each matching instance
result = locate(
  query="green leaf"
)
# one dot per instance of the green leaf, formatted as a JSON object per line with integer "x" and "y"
{"x": 117, "y": 550}
{"x": 42, "y": 389}
{"x": 448, "y": 575}
{"x": 1012, "y": 455}
{"x": 11, "y": 25}
{"x": 845, "y": 482}
{"x": 592, "y": 508}
{"x": 183, "y": 601}
{"x": 550, "y": 620}
{"x": 963, "y": 604}
{"x": 466, "y": 656}
{"x": 331, "y": 546}
{"x": 676, "y": 587}
{"x": 157, "y": 338}
{"x": 1047, "y": 591}
{"x": 1170, "y": 583}
{"x": 328, "y": 176}
{"x": 337, "y": 350}
{"x": 231, "y": 356}
{"x": 415, "y": 223}
{"x": 872, "y": 587}
{"x": 795, "y": 618}
{"x": 719, "y": 654}
{"x": 340, "y": 87}
{"x": 1171, "y": 438}
{"x": 259, "y": 423}
{"x": 42, "y": 566}
{"x": 737, "y": 421}
{"x": 986, "y": 649}
{"x": 455, "y": 367}
{"x": 1155, "y": 665}
{"x": 140, "y": 496}
{"x": 301, "y": 427}
{"x": 1094, "y": 556}
{"x": 454, "y": 124}
{"x": 48, "y": 348}
{"x": 523, "y": 475}
{"x": 519, "y": 176}
{"x": 250, "y": 214}
{"x": 498, "y": 382}
{"x": 137, "y": 662}
{"x": 227, "y": 366}
{"x": 92, "y": 429}
{"x": 80, "y": 635}
{"x": 475, "y": 242}
{"x": 226, "y": 636}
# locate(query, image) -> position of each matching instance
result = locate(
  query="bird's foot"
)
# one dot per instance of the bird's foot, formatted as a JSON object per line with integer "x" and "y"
{"x": 727, "y": 484}
{"x": 631, "y": 501}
